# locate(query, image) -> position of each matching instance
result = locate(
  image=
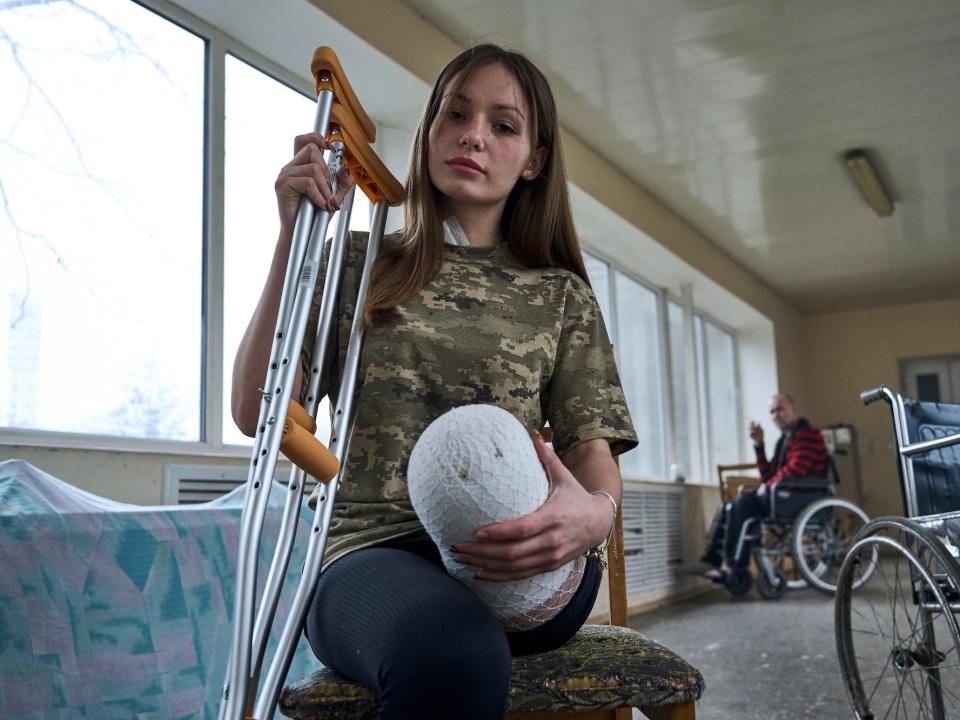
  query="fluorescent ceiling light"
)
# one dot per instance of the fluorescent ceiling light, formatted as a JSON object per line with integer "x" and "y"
{"x": 865, "y": 176}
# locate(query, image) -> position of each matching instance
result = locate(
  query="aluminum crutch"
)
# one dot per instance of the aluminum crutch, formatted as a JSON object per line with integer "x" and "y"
{"x": 350, "y": 132}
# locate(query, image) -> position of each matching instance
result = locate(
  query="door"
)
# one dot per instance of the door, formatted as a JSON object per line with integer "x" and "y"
{"x": 932, "y": 379}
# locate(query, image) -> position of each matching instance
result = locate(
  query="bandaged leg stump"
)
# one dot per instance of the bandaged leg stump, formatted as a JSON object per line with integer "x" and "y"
{"x": 474, "y": 466}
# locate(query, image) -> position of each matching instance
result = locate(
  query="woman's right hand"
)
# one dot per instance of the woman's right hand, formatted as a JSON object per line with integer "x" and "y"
{"x": 307, "y": 174}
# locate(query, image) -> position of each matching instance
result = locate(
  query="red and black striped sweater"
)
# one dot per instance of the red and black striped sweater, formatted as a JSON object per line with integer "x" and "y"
{"x": 799, "y": 455}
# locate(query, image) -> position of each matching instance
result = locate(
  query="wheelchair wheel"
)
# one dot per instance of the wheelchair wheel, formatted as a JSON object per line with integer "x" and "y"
{"x": 777, "y": 547}
{"x": 898, "y": 641}
{"x": 739, "y": 581}
{"x": 775, "y": 590}
{"x": 822, "y": 535}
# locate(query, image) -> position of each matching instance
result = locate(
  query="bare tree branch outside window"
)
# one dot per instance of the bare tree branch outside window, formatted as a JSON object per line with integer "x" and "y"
{"x": 100, "y": 217}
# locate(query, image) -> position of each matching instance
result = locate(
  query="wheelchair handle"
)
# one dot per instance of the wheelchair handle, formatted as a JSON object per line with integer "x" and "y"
{"x": 871, "y": 396}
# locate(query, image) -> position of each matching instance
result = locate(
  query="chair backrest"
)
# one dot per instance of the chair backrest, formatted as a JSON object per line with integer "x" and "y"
{"x": 936, "y": 473}
{"x": 730, "y": 484}
{"x": 617, "y": 577}
{"x": 616, "y": 566}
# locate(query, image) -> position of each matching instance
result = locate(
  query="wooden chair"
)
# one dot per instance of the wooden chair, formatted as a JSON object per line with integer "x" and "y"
{"x": 602, "y": 672}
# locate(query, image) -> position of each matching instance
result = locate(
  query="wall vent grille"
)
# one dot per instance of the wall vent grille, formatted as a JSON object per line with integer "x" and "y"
{"x": 652, "y": 537}
{"x": 193, "y": 484}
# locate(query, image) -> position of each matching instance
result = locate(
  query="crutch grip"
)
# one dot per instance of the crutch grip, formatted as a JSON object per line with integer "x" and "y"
{"x": 335, "y": 79}
{"x": 308, "y": 453}
{"x": 369, "y": 172}
{"x": 299, "y": 414}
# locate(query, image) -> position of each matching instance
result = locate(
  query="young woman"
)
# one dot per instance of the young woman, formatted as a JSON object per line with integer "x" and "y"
{"x": 505, "y": 317}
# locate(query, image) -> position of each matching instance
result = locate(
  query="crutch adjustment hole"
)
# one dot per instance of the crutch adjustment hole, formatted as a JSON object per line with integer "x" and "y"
{"x": 284, "y": 361}
{"x": 316, "y": 370}
{"x": 263, "y": 428}
{"x": 310, "y": 399}
{"x": 256, "y": 485}
{"x": 273, "y": 366}
{"x": 263, "y": 452}
{"x": 278, "y": 390}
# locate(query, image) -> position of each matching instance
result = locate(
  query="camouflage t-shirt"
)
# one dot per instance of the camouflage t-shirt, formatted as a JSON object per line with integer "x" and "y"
{"x": 486, "y": 329}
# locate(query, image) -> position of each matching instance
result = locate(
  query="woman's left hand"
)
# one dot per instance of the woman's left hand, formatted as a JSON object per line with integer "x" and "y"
{"x": 569, "y": 523}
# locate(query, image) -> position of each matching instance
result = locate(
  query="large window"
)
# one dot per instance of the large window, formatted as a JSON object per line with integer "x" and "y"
{"x": 722, "y": 414}
{"x": 673, "y": 366}
{"x": 101, "y": 228}
{"x": 129, "y": 277}
{"x": 638, "y": 357}
{"x": 679, "y": 388}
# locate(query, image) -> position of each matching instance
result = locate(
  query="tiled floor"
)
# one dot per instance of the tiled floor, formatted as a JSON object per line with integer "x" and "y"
{"x": 761, "y": 659}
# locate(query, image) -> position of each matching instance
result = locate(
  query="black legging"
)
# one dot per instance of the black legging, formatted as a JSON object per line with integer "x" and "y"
{"x": 392, "y": 620}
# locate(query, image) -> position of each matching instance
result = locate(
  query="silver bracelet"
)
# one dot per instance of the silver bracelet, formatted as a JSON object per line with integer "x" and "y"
{"x": 599, "y": 552}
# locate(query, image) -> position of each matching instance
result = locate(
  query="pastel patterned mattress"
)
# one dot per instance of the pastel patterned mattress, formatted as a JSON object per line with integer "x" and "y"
{"x": 109, "y": 610}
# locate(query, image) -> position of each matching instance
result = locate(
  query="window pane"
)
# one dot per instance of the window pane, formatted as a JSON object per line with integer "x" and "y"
{"x": 678, "y": 345}
{"x": 262, "y": 118}
{"x": 101, "y": 226}
{"x": 722, "y": 384}
{"x": 709, "y": 468}
{"x": 599, "y": 273}
{"x": 639, "y": 361}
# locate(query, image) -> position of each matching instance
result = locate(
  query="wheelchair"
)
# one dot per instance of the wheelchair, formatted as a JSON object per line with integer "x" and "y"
{"x": 897, "y": 635}
{"x": 802, "y": 541}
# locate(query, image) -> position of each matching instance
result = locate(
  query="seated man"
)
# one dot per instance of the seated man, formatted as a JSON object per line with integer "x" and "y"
{"x": 800, "y": 454}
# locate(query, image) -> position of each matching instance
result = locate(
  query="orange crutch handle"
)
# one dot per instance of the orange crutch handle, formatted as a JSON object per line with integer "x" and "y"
{"x": 325, "y": 59}
{"x": 308, "y": 453}
{"x": 297, "y": 413}
{"x": 369, "y": 172}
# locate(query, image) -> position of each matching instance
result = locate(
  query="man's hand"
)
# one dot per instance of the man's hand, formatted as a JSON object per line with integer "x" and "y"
{"x": 756, "y": 433}
{"x": 565, "y": 526}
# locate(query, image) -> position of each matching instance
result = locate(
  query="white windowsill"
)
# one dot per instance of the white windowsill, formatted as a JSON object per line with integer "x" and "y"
{"x": 78, "y": 441}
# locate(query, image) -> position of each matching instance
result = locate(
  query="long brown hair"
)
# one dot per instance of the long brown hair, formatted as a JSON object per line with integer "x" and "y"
{"x": 536, "y": 220}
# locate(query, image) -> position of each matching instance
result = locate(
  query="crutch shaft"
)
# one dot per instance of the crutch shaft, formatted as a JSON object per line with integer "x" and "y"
{"x": 277, "y": 397}
{"x": 339, "y": 443}
{"x": 305, "y": 416}
{"x": 280, "y": 374}
{"x": 341, "y": 118}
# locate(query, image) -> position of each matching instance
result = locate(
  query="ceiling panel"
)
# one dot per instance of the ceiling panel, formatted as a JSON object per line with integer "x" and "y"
{"x": 736, "y": 114}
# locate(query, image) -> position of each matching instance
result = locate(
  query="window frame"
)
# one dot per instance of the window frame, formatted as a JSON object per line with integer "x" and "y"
{"x": 217, "y": 45}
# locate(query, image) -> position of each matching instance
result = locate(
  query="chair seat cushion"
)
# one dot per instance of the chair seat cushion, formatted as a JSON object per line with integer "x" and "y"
{"x": 601, "y": 667}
